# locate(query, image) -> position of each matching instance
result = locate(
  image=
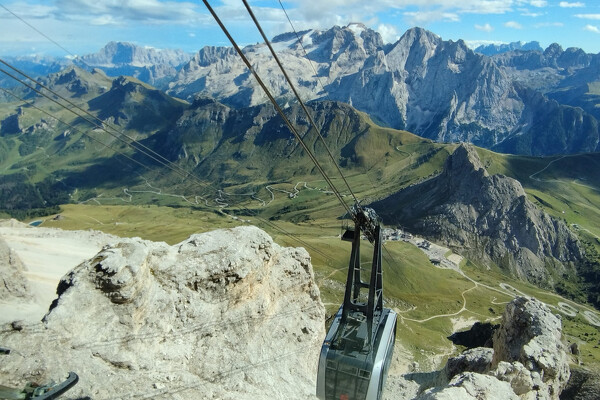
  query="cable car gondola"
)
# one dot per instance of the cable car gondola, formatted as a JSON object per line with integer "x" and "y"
{"x": 357, "y": 351}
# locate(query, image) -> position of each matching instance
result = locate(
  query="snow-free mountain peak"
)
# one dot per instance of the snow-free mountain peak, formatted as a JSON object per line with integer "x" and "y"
{"x": 118, "y": 54}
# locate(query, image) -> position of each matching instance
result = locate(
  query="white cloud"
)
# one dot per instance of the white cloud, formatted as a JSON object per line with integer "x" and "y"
{"x": 592, "y": 28}
{"x": 513, "y": 25}
{"x": 566, "y": 4}
{"x": 532, "y": 14}
{"x": 115, "y": 11}
{"x": 425, "y": 17}
{"x": 588, "y": 16}
{"x": 485, "y": 28}
{"x": 474, "y": 6}
{"x": 27, "y": 11}
{"x": 429, "y": 10}
{"x": 104, "y": 20}
{"x": 538, "y": 3}
{"x": 549, "y": 24}
{"x": 388, "y": 33}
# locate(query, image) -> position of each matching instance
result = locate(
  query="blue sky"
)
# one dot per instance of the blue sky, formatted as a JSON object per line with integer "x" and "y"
{"x": 84, "y": 26}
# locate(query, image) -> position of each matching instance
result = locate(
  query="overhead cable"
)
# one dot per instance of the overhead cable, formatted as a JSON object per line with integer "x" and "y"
{"x": 304, "y": 50}
{"x": 277, "y": 107}
{"x": 168, "y": 164}
{"x": 100, "y": 124}
{"x": 144, "y": 149}
{"x": 293, "y": 87}
{"x": 31, "y": 104}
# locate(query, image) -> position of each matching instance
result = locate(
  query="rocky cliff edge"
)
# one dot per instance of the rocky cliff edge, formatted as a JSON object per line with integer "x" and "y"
{"x": 227, "y": 314}
{"x": 528, "y": 360}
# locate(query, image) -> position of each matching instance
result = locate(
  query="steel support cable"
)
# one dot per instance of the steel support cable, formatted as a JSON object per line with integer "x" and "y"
{"x": 30, "y": 104}
{"x": 142, "y": 148}
{"x": 316, "y": 75}
{"x": 273, "y": 226}
{"x": 293, "y": 87}
{"x": 85, "y": 119}
{"x": 304, "y": 50}
{"x": 185, "y": 174}
{"x": 277, "y": 107}
{"x": 166, "y": 162}
{"x": 90, "y": 122}
{"x": 289, "y": 81}
{"x": 266, "y": 222}
{"x": 75, "y": 57}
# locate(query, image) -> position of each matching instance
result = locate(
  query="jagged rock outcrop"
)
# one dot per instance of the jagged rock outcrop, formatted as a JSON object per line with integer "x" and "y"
{"x": 478, "y": 360}
{"x": 227, "y": 314}
{"x": 528, "y": 348}
{"x": 13, "y": 283}
{"x": 486, "y": 217}
{"x": 471, "y": 386}
{"x": 528, "y": 360}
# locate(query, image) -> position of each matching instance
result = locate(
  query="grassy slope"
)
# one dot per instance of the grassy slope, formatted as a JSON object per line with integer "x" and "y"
{"x": 566, "y": 187}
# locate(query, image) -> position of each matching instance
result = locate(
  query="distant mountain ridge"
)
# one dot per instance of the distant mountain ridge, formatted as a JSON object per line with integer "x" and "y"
{"x": 492, "y": 49}
{"x": 119, "y": 54}
{"x": 524, "y": 102}
{"x": 148, "y": 64}
{"x": 437, "y": 89}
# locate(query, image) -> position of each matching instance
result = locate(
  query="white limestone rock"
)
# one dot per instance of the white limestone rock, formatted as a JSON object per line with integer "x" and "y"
{"x": 532, "y": 336}
{"x": 13, "y": 283}
{"x": 226, "y": 315}
{"x": 471, "y": 386}
{"x": 528, "y": 361}
{"x": 478, "y": 360}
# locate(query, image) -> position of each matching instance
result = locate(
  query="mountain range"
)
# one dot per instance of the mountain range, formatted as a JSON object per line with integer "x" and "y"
{"x": 492, "y": 49}
{"x": 522, "y": 101}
